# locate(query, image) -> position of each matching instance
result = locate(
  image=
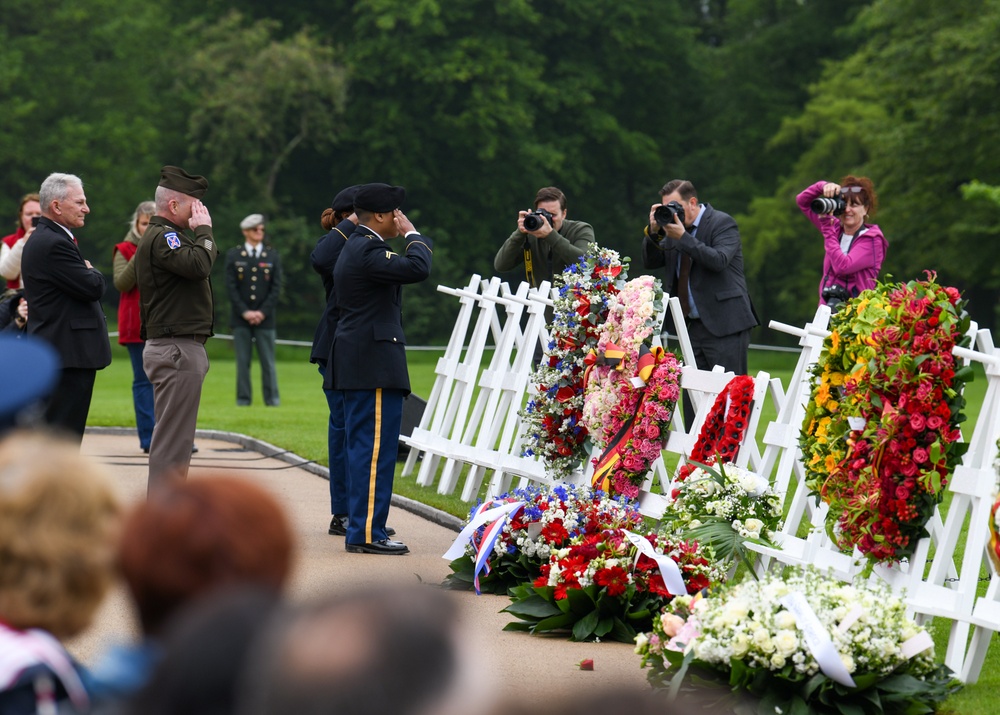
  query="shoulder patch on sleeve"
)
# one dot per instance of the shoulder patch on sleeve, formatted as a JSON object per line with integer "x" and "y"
{"x": 173, "y": 240}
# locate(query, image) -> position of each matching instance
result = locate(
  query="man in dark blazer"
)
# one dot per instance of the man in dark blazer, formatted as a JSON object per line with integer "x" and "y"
{"x": 64, "y": 292}
{"x": 703, "y": 257}
{"x": 368, "y": 356}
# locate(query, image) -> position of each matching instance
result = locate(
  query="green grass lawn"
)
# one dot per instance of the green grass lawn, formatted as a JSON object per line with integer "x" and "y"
{"x": 299, "y": 425}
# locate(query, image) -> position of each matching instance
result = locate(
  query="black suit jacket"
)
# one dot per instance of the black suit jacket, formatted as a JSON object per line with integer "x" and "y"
{"x": 368, "y": 350}
{"x": 253, "y": 284}
{"x": 717, "y": 281}
{"x": 64, "y": 298}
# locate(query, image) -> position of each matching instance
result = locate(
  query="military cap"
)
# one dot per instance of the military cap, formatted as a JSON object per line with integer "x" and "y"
{"x": 174, "y": 177}
{"x": 32, "y": 367}
{"x": 252, "y": 221}
{"x": 379, "y": 198}
{"x": 344, "y": 200}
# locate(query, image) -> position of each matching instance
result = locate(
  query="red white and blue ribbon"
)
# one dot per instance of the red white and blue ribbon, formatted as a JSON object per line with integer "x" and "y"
{"x": 495, "y": 517}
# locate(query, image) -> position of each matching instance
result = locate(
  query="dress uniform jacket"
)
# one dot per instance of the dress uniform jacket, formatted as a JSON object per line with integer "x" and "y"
{"x": 368, "y": 350}
{"x": 253, "y": 284}
{"x": 173, "y": 272}
{"x": 64, "y": 298}
{"x": 324, "y": 259}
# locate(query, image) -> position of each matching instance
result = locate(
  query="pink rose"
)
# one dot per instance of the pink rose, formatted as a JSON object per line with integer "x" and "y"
{"x": 920, "y": 455}
{"x": 934, "y": 422}
{"x": 917, "y": 421}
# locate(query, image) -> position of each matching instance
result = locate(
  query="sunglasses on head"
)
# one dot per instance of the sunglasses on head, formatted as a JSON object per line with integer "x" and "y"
{"x": 850, "y": 189}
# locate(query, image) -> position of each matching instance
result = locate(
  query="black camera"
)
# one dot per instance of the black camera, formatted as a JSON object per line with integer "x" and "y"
{"x": 835, "y": 295}
{"x": 535, "y": 219}
{"x": 664, "y": 215}
{"x": 823, "y": 205}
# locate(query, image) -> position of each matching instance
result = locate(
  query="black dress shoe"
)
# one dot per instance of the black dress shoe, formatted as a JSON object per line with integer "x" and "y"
{"x": 385, "y": 546}
{"x": 338, "y": 526}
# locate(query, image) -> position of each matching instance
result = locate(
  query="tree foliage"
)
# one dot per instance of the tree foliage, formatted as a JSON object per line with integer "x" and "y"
{"x": 475, "y": 104}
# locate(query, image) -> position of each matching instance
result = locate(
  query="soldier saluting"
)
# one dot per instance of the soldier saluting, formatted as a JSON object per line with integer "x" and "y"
{"x": 173, "y": 271}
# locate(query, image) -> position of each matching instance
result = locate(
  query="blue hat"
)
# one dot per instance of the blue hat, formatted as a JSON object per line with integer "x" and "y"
{"x": 379, "y": 198}
{"x": 31, "y": 367}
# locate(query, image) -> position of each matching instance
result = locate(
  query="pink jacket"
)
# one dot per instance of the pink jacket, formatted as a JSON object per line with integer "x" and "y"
{"x": 856, "y": 270}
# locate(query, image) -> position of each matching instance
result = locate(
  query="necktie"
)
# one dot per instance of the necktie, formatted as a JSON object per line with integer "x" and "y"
{"x": 683, "y": 284}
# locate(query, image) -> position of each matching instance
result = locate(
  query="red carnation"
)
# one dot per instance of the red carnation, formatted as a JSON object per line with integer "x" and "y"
{"x": 614, "y": 579}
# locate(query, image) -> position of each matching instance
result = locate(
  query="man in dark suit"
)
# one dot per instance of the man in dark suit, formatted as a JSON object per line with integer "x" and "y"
{"x": 368, "y": 357}
{"x": 64, "y": 292}
{"x": 703, "y": 257}
{"x": 254, "y": 281}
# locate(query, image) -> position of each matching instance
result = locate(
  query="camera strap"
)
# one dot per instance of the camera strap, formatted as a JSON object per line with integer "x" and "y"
{"x": 529, "y": 270}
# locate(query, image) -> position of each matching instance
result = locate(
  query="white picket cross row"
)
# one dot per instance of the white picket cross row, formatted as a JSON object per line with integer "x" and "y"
{"x": 433, "y": 421}
{"x": 491, "y": 382}
{"x": 451, "y": 407}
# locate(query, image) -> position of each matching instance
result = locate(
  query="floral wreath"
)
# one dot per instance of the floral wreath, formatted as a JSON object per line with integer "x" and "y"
{"x": 626, "y": 461}
{"x": 724, "y": 429}
{"x": 551, "y": 423}
{"x": 881, "y": 432}
{"x": 603, "y": 587}
{"x": 610, "y": 398}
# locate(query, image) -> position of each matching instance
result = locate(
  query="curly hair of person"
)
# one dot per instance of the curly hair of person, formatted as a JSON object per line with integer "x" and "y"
{"x": 59, "y": 518}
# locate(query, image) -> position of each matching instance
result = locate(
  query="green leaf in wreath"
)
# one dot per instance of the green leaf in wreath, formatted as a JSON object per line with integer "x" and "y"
{"x": 533, "y": 607}
{"x": 584, "y": 628}
{"x": 604, "y": 626}
{"x": 622, "y": 632}
{"x": 519, "y": 626}
{"x": 581, "y": 600}
{"x": 554, "y": 623}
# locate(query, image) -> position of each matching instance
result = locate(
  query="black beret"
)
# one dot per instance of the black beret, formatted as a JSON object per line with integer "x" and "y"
{"x": 379, "y": 198}
{"x": 344, "y": 201}
{"x": 174, "y": 177}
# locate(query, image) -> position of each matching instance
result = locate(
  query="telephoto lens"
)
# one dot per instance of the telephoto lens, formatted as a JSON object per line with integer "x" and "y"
{"x": 823, "y": 205}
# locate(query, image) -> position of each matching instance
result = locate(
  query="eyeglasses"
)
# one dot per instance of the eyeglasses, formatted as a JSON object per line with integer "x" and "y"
{"x": 258, "y": 228}
{"x": 850, "y": 189}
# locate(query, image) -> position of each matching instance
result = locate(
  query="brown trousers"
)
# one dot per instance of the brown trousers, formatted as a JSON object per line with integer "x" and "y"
{"x": 177, "y": 368}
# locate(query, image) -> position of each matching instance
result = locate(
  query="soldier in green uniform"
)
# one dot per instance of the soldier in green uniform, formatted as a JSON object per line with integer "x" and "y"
{"x": 173, "y": 271}
{"x": 254, "y": 280}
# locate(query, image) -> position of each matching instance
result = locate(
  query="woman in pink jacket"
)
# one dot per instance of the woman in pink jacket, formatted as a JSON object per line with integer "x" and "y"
{"x": 854, "y": 250}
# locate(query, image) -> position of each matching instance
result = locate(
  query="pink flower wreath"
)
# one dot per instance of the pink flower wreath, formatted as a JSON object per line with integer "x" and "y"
{"x": 626, "y": 461}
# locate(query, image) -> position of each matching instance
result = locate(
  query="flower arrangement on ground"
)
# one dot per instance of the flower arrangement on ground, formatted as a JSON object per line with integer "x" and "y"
{"x": 881, "y": 432}
{"x": 804, "y": 643}
{"x": 723, "y": 507}
{"x": 604, "y": 585}
{"x": 550, "y": 517}
{"x": 552, "y": 427}
{"x": 610, "y": 397}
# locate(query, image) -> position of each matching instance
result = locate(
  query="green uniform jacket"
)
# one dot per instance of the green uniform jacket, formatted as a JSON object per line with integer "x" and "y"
{"x": 556, "y": 251}
{"x": 173, "y": 272}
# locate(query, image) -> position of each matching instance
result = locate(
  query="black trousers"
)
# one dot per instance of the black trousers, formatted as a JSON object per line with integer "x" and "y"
{"x": 69, "y": 404}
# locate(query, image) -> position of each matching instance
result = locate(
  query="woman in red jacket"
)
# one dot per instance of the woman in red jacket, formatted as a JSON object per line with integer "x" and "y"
{"x": 128, "y": 320}
{"x": 12, "y": 245}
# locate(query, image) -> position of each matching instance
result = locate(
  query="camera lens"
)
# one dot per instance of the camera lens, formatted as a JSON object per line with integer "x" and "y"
{"x": 533, "y": 221}
{"x": 824, "y": 205}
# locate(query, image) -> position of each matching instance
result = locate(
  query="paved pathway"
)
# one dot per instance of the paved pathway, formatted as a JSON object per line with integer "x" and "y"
{"x": 534, "y": 665}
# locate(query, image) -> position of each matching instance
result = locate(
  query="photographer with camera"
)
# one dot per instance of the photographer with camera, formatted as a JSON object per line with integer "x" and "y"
{"x": 854, "y": 250}
{"x": 701, "y": 250}
{"x": 545, "y": 240}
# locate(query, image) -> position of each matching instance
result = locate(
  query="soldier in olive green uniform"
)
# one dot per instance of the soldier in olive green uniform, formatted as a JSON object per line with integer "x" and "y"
{"x": 175, "y": 303}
